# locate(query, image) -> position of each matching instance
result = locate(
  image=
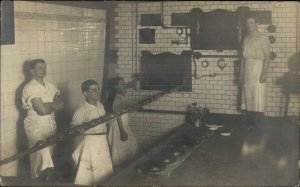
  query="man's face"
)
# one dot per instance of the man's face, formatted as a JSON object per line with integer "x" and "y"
{"x": 93, "y": 93}
{"x": 122, "y": 87}
{"x": 39, "y": 70}
{"x": 251, "y": 25}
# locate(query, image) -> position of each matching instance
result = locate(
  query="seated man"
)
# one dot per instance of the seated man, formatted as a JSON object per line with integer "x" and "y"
{"x": 91, "y": 155}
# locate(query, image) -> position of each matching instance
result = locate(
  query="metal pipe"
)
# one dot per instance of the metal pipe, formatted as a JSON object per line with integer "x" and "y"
{"x": 162, "y": 19}
{"x": 162, "y": 111}
{"x": 221, "y": 56}
{"x": 132, "y": 36}
{"x": 53, "y": 139}
{"x": 136, "y": 43}
{"x": 297, "y": 28}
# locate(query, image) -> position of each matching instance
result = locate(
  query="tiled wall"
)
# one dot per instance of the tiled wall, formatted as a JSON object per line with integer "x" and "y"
{"x": 69, "y": 39}
{"x": 219, "y": 94}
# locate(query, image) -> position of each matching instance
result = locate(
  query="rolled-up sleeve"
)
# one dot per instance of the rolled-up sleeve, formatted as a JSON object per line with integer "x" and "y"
{"x": 78, "y": 117}
{"x": 28, "y": 94}
{"x": 266, "y": 45}
{"x": 54, "y": 88}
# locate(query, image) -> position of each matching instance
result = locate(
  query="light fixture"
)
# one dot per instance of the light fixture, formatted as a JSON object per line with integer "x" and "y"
{"x": 197, "y": 55}
{"x": 271, "y": 28}
{"x": 222, "y": 63}
{"x": 179, "y": 31}
{"x": 272, "y": 39}
{"x": 204, "y": 63}
{"x": 273, "y": 55}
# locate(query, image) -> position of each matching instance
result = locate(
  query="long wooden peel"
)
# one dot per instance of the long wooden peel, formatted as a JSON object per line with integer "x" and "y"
{"x": 75, "y": 131}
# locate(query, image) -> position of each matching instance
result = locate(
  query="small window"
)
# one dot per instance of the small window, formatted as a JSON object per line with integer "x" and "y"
{"x": 147, "y": 36}
{"x": 7, "y": 23}
{"x": 150, "y": 19}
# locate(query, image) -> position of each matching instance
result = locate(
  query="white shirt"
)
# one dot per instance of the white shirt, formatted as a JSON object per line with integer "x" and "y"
{"x": 87, "y": 112}
{"x": 254, "y": 46}
{"x": 34, "y": 89}
{"x": 39, "y": 127}
{"x": 92, "y": 155}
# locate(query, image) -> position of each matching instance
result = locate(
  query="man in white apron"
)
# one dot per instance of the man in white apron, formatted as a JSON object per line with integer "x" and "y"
{"x": 254, "y": 72}
{"x": 121, "y": 139}
{"x": 91, "y": 155}
{"x": 40, "y": 98}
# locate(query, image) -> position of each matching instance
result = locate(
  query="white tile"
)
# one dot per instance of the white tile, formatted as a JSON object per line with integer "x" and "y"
{"x": 12, "y": 171}
{"x": 8, "y": 112}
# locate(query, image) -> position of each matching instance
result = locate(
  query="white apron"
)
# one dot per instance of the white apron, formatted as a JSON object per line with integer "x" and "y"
{"x": 121, "y": 151}
{"x": 93, "y": 160}
{"x": 253, "y": 92}
{"x": 91, "y": 155}
{"x": 42, "y": 159}
{"x": 39, "y": 127}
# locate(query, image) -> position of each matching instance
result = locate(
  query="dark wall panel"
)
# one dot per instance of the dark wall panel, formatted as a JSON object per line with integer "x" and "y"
{"x": 166, "y": 70}
{"x": 7, "y": 23}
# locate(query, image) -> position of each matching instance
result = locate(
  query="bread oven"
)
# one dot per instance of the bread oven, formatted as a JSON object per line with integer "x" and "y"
{"x": 166, "y": 70}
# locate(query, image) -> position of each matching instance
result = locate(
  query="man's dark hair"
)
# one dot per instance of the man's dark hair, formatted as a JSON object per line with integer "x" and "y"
{"x": 86, "y": 85}
{"x": 112, "y": 92}
{"x": 115, "y": 81}
{"x": 34, "y": 62}
{"x": 252, "y": 16}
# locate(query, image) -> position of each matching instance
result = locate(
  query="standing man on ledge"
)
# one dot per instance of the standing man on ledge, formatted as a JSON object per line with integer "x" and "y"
{"x": 256, "y": 52}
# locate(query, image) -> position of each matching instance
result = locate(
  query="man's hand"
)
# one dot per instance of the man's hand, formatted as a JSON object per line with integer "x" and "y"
{"x": 123, "y": 136}
{"x": 123, "y": 133}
